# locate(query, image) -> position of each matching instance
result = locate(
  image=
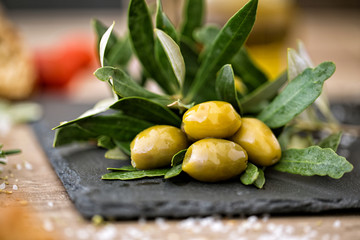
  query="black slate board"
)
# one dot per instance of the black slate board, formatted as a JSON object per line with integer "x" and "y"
{"x": 80, "y": 168}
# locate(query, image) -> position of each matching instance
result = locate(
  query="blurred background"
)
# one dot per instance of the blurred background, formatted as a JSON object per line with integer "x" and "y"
{"x": 48, "y": 47}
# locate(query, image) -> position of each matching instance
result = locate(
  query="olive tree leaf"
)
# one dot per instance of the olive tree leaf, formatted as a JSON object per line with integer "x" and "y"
{"x": 332, "y": 141}
{"x": 124, "y": 146}
{"x": 100, "y": 29}
{"x": 123, "y": 168}
{"x": 298, "y": 61}
{"x": 124, "y": 86}
{"x": 120, "y": 53}
{"x": 103, "y": 43}
{"x": 142, "y": 37}
{"x": 173, "y": 54}
{"x": 105, "y": 142}
{"x": 297, "y": 96}
{"x": 130, "y": 175}
{"x": 246, "y": 69}
{"x": 117, "y": 126}
{"x": 176, "y": 163}
{"x": 100, "y": 107}
{"x": 164, "y": 23}
{"x": 230, "y": 39}
{"x": 116, "y": 154}
{"x": 225, "y": 87}
{"x": 72, "y": 133}
{"x": 260, "y": 180}
{"x": 265, "y": 92}
{"x": 313, "y": 160}
{"x": 206, "y": 35}
{"x": 145, "y": 109}
{"x": 193, "y": 17}
{"x": 250, "y": 175}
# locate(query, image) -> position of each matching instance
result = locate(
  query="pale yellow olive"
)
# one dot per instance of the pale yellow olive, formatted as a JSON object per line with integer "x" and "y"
{"x": 259, "y": 142}
{"x": 213, "y": 160}
{"x": 155, "y": 146}
{"x": 213, "y": 119}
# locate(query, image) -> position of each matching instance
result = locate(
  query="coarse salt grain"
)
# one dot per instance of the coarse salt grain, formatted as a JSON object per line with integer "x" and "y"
{"x": 337, "y": 224}
{"x": 106, "y": 233}
{"x": 50, "y": 204}
{"x": 18, "y": 166}
{"x": 48, "y": 226}
{"x": 2, "y": 186}
{"x": 28, "y": 165}
{"x": 160, "y": 222}
{"x": 82, "y": 234}
{"x": 15, "y": 187}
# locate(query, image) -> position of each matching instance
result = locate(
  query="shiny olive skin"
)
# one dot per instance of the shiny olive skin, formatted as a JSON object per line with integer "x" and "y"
{"x": 213, "y": 119}
{"x": 213, "y": 160}
{"x": 154, "y": 147}
{"x": 259, "y": 142}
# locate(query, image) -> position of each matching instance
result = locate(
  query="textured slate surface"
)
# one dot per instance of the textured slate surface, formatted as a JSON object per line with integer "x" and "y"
{"x": 80, "y": 168}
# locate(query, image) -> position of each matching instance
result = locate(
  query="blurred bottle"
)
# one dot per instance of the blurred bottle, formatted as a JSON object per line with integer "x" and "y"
{"x": 267, "y": 40}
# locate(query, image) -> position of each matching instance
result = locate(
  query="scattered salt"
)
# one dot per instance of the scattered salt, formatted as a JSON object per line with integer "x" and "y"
{"x": 337, "y": 224}
{"x": 1, "y": 168}
{"x": 106, "y": 233}
{"x": 2, "y": 186}
{"x": 160, "y": 222}
{"x": 134, "y": 232}
{"x": 28, "y": 165}
{"x": 18, "y": 166}
{"x": 15, "y": 187}
{"x": 48, "y": 226}
{"x": 265, "y": 217}
{"x": 142, "y": 221}
{"x": 82, "y": 234}
{"x": 50, "y": 204}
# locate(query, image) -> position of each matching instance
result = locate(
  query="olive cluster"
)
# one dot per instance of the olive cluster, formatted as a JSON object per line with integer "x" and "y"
{"x": 222, "y": 143}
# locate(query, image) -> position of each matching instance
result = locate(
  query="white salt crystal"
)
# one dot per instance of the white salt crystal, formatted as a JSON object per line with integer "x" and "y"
{"x": 107, "y": 233}
{"x": 28, "y": 165}
{"x": 134, "y": 232}
{"x": 337, "y": 224}
{"x": 18, "y": 166}
{"x": 15, "y": 187}
{"x": 48, "y": 226}
{"x": 160, "y": 222}
{"x": 50, "y": 204}
{"x": 2, "y": 186}
{"x": 82, "y": 234}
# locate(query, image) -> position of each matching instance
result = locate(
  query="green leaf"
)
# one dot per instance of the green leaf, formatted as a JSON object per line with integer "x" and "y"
{"x": 250, "y": 175}
{"x": 163, "y": 23}
{"x": 105, "y": 142}
{"x": 230, "y": 39}
{"x": 142, "y": 37}
{"x": 103, "y": 43}
{"x": 313, "y": 160}
{"x": 173, "y": 54}
{"x": 124, "y": 168}
{"x": 297, "y": 96}
{"x": 120, "y": 53}
{"x": 144, "y": 109}
{"x": 264, "y": 93}
{"x": 190, "y": 54}
{"x": 332, "y": 141}
{"x": 124, "y": 86}
{"x": 116, "y": 126}
{"x": 100, "y": 29}
{"x": 193, "y": 17}
{"x": 206, "y": 35}
{"x": 116, "y": 154}
{"x": 225, "y": 87}
{"x": 72, "y": 133}
{"x": 260, "y": 180}
{"x": 98, "y": 108}
{"x": 246, "y": 69}
{"x": 124, "y": 146}
{"x": 130, "y": 175}
{"x": 174, "y": 171}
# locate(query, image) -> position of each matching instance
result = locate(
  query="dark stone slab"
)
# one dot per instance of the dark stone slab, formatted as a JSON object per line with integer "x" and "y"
{"x": 80, "y": 168}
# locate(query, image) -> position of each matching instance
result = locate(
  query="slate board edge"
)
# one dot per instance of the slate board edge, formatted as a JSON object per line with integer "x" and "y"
{"x": 180, "y": 209}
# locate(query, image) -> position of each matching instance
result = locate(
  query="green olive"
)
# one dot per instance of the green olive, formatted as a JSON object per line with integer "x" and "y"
{"x": 213, "y": 119}
{"x": 154, "y": 147}
{"x": 259, "y": 142}
{"x": 213, "y": 160}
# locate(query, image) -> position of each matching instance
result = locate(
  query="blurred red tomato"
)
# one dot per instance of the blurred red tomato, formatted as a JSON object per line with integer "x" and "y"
{"x": 57, "y": 65}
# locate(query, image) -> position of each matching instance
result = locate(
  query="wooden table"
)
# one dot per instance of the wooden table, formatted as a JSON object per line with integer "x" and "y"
{"x": 42, "y": 198}
{"x": 41, "y": 205}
